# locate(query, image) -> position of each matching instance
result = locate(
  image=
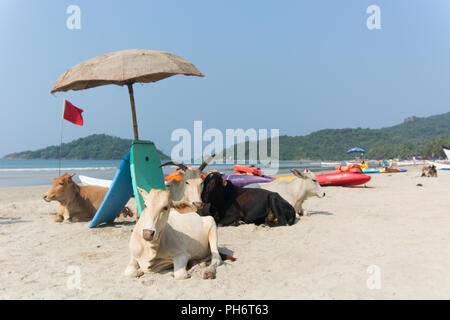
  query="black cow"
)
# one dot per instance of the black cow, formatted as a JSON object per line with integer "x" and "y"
{"x": 231, "y": 204}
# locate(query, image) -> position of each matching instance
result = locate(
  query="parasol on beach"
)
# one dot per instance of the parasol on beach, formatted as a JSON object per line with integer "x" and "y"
{"x": 356, "y": 149}
{"x": 125, "y": 67}
{"x": 140, "y": 167}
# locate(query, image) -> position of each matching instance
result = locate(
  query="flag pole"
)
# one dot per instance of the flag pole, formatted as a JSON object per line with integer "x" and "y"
{"x": 60, "y": 143}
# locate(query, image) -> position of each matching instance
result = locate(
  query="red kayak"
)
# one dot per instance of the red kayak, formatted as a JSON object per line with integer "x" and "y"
{"x": 343, "y": 179}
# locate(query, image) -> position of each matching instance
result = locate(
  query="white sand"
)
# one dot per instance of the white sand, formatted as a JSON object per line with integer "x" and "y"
{"x": 399, "y": 227}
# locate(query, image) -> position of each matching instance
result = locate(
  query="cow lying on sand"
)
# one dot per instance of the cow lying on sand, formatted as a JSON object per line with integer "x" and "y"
{"x": 190, "y": 187}
{"x": 429, "y": 171}
{"x": 77, "y": 203}
{"x": 234, "y": 204}
{"x": 297, "y": 190}
{"x": 163, "y": 238}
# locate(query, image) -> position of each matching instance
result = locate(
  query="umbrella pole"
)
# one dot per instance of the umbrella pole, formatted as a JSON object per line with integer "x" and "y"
{"x": 133, "y": 111}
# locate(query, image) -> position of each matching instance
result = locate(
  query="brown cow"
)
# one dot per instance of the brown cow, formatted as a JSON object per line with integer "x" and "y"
{"x": 77, "y": 203}
{"x": 429, "y": 171}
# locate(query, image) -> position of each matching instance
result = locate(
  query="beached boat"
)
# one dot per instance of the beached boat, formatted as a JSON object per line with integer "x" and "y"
{"x": 242, "y": 180}
{"x": 439, "y": 165}
{"x": 371, "y": 170}
{"x": 250, "y": 170}
{"x": 446, "y": 151}
{"x": 239, "y": 180}
{"x": 392, "y": 170}
{"x": 89, "y": 181}
{"x": 343, "y": 179}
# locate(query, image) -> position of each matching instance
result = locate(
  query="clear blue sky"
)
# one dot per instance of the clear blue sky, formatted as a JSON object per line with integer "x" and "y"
{"x": 299, "y": 66}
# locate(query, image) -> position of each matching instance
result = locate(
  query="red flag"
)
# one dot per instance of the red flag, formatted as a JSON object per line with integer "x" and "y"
{"x": 72, "y": 113}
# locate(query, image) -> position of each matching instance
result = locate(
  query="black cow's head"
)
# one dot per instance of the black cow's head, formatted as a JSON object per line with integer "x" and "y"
{"x": 213, "y": 187}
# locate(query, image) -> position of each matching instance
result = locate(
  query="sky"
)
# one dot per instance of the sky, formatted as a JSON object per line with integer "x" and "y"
{"x": 297, "y": 66}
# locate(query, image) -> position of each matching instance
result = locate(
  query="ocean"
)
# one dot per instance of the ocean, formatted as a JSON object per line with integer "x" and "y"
{"x": 42, "y": 172}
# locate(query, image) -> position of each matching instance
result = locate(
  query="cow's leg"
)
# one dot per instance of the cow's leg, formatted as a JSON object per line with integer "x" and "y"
{"x": 230, "y": 218}
{"x": 60, "y": 215}
{"x": 66, "y": 214}
{"x": 216, "y": 260}
{"x": 179, "y": 266}
{"x": 126, "y": 212}
{"x": 133, "y": 270}
{"x": 303, "y": 212}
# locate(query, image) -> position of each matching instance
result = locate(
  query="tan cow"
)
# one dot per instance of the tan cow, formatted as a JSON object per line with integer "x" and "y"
{"x": 77, "y": 203}
{"x": 163, "y": 238}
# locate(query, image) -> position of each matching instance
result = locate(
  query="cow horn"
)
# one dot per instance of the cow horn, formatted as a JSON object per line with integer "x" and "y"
{"x": 205, "y": 163}
{"x": 171, "y": 163}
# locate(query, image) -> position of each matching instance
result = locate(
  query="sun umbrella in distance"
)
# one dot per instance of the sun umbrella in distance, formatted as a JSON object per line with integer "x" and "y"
{"x": 125, "y": 67}
{"x": 356, "y": 150}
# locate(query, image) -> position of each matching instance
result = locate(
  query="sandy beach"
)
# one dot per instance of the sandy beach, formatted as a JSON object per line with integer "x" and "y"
{"x": 393, "y": 226}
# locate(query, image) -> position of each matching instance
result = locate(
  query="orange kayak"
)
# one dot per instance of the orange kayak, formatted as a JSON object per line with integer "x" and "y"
{"x": 176, "y": 175}
{"x": 251, "y": 170}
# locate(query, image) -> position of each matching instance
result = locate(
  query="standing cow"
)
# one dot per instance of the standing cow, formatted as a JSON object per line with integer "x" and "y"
{"x": 77, "y": 203}
{"x": 233, "y": 204}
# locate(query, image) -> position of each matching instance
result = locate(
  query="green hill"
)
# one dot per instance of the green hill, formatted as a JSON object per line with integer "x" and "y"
{"x": 422, "y": 136}
{"x": 96, "y": 146}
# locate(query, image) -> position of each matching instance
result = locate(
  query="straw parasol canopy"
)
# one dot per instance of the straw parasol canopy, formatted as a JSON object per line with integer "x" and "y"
{"x": 125, "y": 67}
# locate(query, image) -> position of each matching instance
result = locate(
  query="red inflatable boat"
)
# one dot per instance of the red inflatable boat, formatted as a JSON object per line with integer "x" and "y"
{"x": 343, "y": 179}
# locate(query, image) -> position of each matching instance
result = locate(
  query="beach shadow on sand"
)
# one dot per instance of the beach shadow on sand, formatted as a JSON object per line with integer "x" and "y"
{"x": 325, "y": 213}
{"x": 359, "y": 187}
{"x": 7, "y": 220}
{"x": 116, "y": 224}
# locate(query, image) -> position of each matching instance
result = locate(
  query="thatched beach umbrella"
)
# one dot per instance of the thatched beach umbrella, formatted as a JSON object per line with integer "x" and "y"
{"x": 125, "y": 68}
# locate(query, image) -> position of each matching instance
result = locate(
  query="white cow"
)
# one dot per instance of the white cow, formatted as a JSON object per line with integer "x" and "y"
{"x": 297, "y": 190}
{"x": 189, "y": 189}
{"x": 163, "y": 238}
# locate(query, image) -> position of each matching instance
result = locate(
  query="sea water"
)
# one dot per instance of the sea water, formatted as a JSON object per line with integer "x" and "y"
{"x": 42, "y": 172}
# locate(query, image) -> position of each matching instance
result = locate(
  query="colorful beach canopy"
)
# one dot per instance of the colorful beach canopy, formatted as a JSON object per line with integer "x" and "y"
{"x": 125, "y": 67}
{"x": 356, "y": 149}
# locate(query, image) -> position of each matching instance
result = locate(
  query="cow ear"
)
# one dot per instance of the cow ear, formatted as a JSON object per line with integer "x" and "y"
{"x": 299, "y": 174}
{"x": 71, "y": 175}
{"x": 142, "y": 192}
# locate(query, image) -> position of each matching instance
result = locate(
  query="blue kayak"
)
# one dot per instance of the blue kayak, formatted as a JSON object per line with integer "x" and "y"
{"x": 371, "y": 170}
